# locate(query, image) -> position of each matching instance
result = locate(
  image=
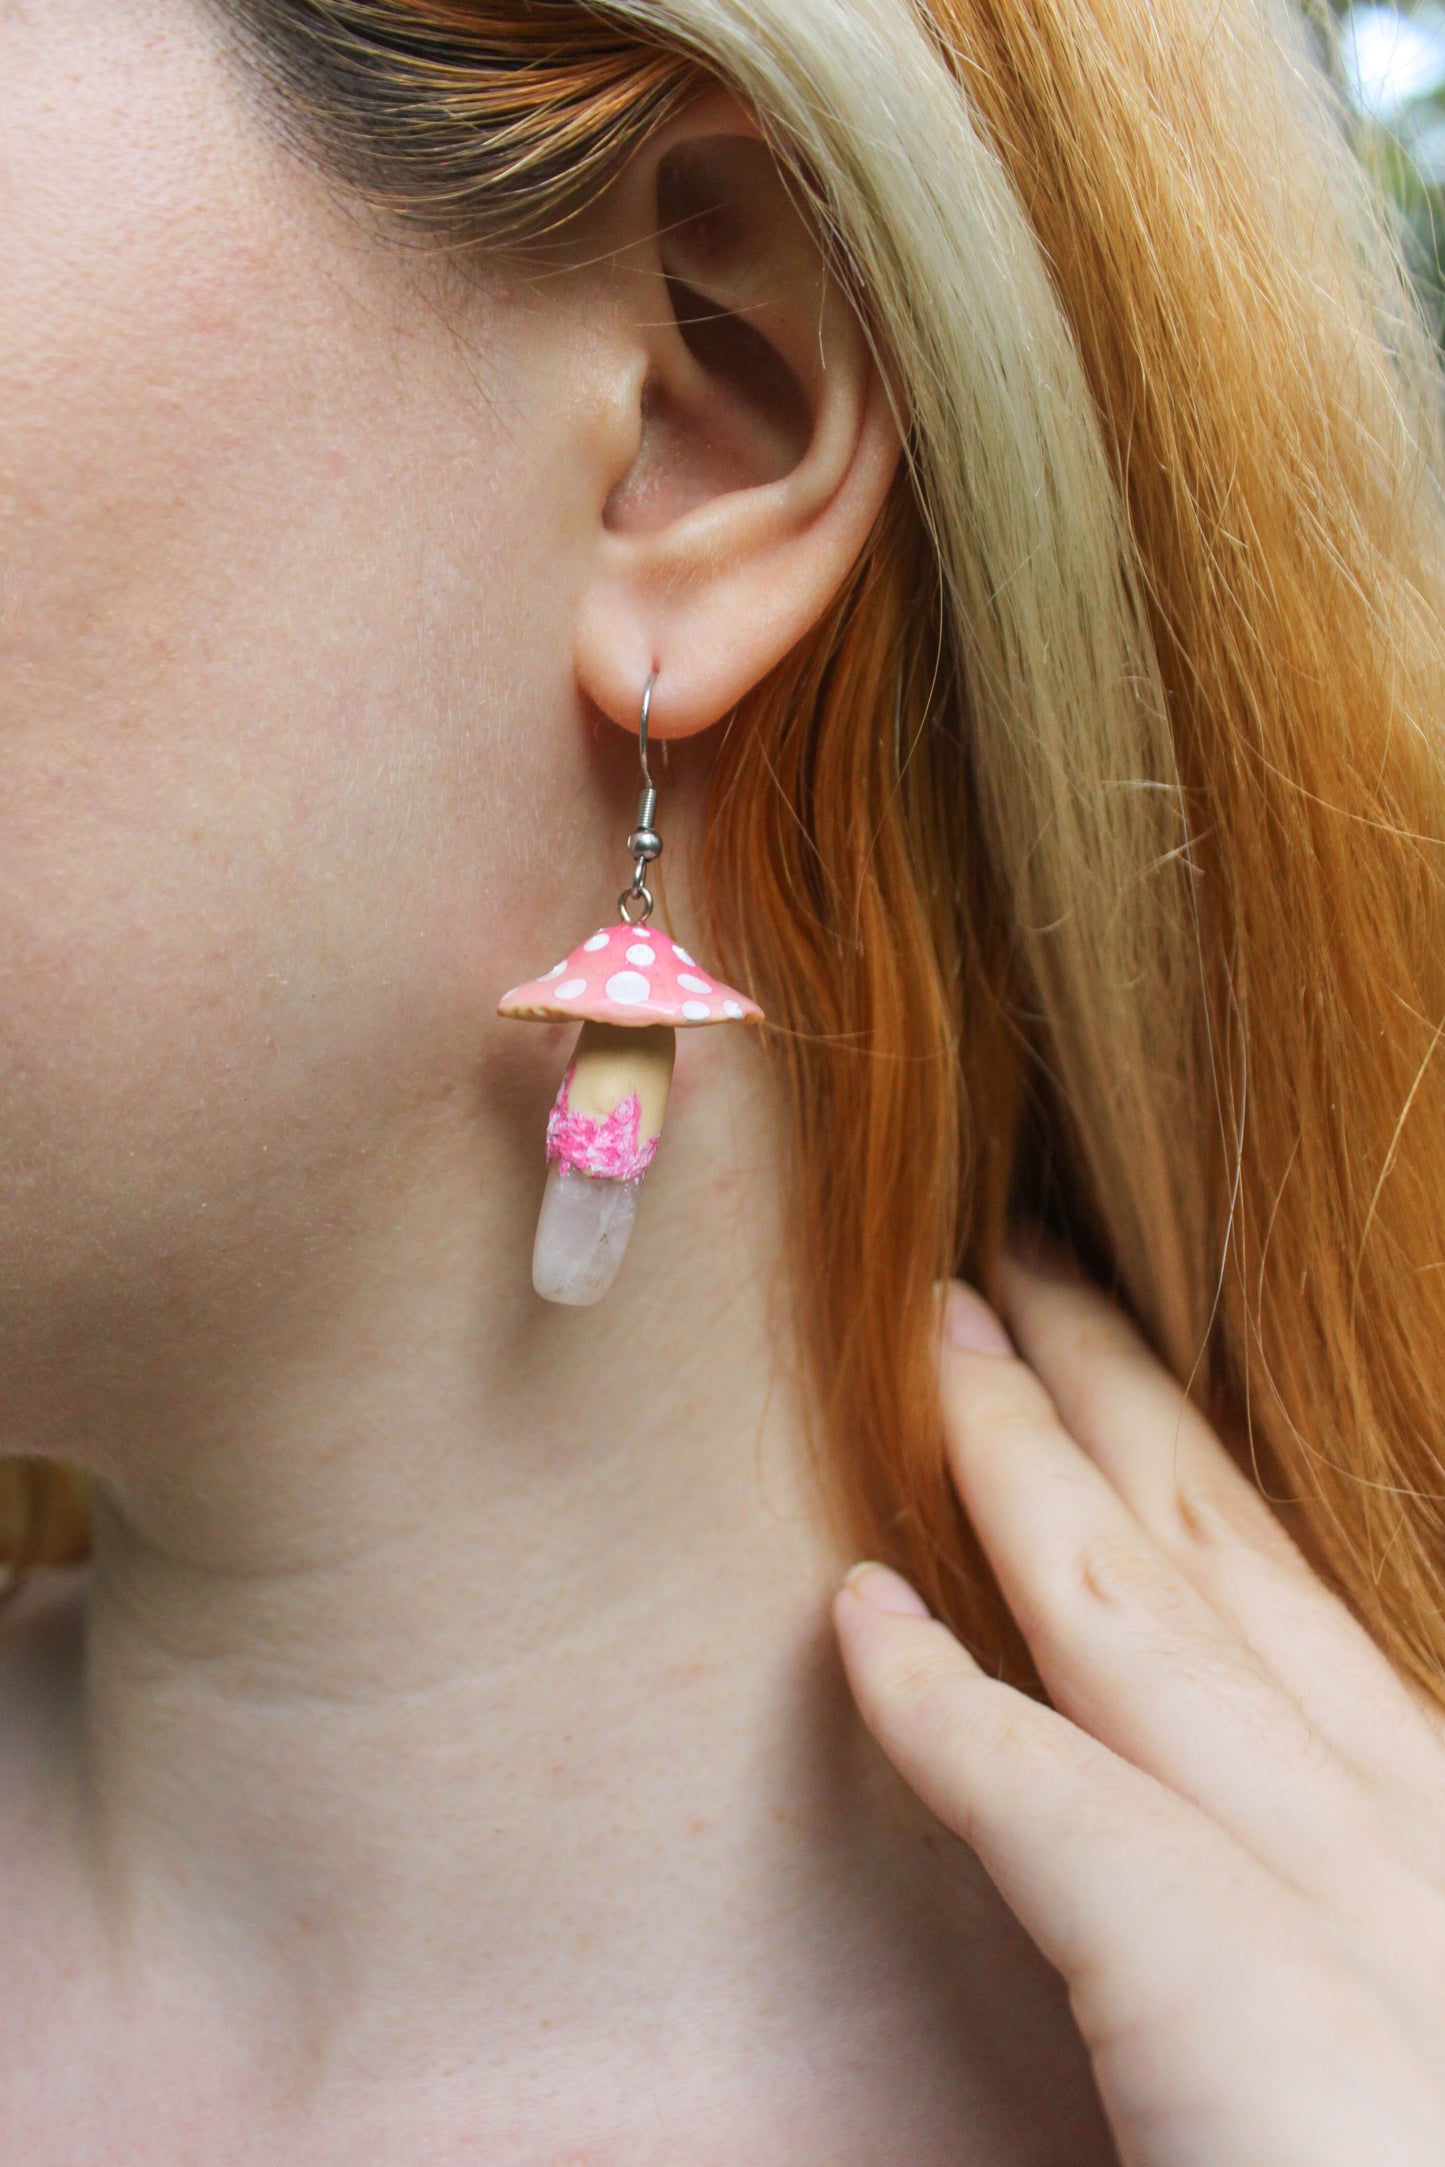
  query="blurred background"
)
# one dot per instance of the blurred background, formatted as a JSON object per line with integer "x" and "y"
{"x": 1389, "y": 63}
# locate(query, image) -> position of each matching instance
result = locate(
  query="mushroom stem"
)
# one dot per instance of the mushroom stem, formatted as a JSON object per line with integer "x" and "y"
{"x": 601, "y": 1139}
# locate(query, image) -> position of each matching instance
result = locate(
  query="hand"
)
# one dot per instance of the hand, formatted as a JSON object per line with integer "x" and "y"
{"x": 1228, "y": 1832}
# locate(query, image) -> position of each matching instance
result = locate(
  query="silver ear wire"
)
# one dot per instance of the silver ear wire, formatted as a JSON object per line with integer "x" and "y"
{"x": 644, "y": 842}
{"x": 642, "y": 731}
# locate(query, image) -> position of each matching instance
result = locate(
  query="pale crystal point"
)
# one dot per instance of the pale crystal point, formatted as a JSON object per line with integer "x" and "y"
{"x": 583, "y": 1230}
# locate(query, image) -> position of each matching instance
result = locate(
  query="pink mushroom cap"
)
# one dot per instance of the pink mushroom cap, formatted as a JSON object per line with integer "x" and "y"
{"x": 630, "y": 974}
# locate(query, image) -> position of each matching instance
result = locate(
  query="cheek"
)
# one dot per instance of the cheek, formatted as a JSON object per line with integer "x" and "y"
{"x": 155, "y": 812}
{"x": 244, "y": 660}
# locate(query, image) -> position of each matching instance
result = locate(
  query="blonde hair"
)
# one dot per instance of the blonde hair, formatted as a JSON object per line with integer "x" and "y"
{"x": 1088, "y": 851}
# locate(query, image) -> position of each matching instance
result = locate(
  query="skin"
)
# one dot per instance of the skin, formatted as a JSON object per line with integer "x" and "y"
{"x": 448, "y": 1755}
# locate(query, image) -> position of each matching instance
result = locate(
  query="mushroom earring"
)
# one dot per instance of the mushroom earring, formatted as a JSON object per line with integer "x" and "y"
{"x": 633, "y": 989}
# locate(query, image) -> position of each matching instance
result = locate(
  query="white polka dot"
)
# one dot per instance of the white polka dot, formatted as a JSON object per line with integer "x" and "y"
{"x": 696, "y": 1011}
{"x": 732, "y": 1009}
{"x": 681, "y": 954}
{"x": 598, "y": 940}
{"x": 570, "y": 991}
{"x": 556, "y": 971}
{"x": 628, "y": 988}
{"x": 693, "y": 985}
{"x": 641, "y": 954}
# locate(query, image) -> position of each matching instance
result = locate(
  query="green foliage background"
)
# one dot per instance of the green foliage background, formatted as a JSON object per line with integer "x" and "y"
{"x": 1407, "y": 155}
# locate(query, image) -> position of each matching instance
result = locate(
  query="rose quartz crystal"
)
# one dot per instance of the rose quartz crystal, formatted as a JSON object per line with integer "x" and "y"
{"x": 582, "y": 1234}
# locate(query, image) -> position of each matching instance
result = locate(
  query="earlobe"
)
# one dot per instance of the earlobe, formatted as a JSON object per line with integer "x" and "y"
{"x": 763, "y": 447}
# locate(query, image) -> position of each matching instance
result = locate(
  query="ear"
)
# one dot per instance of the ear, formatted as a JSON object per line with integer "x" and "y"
{"x": 745, "y": 439}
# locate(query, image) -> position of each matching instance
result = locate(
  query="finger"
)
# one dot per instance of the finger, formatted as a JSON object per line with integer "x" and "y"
{"x": 1127, "y": 1647}
{"x": 1113, "y": 1875}
{"x": 1221, "y": 2019}
{"x": 1176, "y": 1477}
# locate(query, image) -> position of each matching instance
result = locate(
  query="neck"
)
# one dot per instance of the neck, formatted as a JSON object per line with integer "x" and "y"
{"x": 467, "y": 1668}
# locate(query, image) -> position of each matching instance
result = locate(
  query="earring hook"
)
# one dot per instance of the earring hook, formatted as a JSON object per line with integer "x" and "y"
{"x": 644, "y": 842}
{"x": 653, "y": 676}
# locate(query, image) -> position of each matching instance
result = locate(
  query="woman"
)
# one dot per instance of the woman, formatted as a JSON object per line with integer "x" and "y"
{"x": 1006, "y": 422}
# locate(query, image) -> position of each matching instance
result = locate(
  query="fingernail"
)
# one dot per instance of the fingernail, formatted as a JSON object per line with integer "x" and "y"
{"x": 882, "y": 1589}
{"x": 968, "y": 1322}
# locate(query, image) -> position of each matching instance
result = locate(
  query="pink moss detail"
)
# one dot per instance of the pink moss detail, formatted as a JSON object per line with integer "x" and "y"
{"x": 605, "y": 1147}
